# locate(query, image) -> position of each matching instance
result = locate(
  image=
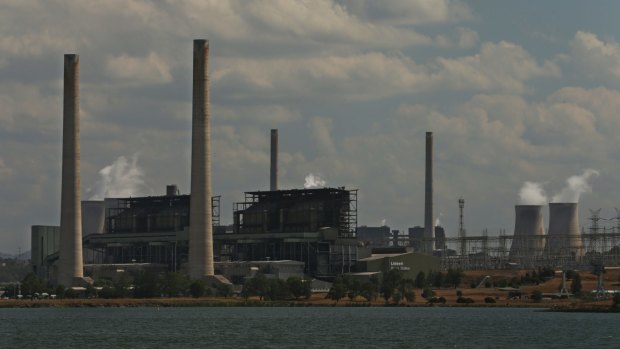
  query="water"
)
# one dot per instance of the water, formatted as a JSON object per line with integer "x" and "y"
{"x": 326, "y": 327}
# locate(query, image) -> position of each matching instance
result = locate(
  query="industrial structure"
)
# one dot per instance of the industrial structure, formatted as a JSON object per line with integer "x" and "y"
{"x": 315, "y": 226}
{"x": 429, "y": 217}
{"x": 200, "y": 226}
{"x": 70, "y": 270}
{"x": 564, "y": 237}
{"x": 273, "y": 173}
{"x": 528, "y": 239}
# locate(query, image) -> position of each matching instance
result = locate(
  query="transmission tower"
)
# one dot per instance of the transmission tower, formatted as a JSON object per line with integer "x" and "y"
{"x": 462, "y": 240}
{"x": 594, "y": 231}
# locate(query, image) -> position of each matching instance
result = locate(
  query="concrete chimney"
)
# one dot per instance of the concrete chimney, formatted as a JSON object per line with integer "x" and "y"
{"x": 429, "y": 217}
{"x": 200, "y": 225}
{"x": 70, "y": 266}
{"x": 273, "y": 175}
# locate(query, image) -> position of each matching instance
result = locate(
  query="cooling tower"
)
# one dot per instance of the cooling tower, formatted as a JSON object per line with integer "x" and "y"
{"x": 273, "y": 174}
{"x": 528, "y": 240}
{"x": 200, "y": 226}
{"x": 429, "y": 218}
{"x": 564, "y": 237}
{"x": 93, "y": 217}
{"x": 70, "y": 268}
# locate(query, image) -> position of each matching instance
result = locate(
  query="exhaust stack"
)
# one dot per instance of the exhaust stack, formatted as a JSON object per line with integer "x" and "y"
{"x": 70, "y": 263}
{"x": 429, "y": 218}
{"x": 200, "y": 226}
{"x": 273, "y": 175}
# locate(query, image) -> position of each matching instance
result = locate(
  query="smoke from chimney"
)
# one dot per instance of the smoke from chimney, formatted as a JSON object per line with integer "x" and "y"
{"x": 122, "y": 178}
{"x": 314, "y": 181}
{"x": 575, "y": 186}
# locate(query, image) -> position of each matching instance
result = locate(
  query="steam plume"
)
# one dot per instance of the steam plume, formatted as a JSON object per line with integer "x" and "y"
{"x": 575, "y": 186}
{"x": 120, "y": 179}
{"x": 383, "y": 222}
{"x": 532, "y": 193}
{"x": 314, "y": 181}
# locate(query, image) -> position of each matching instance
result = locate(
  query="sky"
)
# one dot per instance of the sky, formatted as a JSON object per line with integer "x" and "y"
{"x": 513, "y": 91}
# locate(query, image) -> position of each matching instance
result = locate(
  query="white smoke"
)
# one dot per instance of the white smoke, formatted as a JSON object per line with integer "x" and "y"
{"x": 383, "y": 222}
{"x": 532, "y": 193}
{"x": 314, "y": 181}
{"x": 120, "y": 179}
{"x": 437, "y": 221}
{"x": 575, "y": 186}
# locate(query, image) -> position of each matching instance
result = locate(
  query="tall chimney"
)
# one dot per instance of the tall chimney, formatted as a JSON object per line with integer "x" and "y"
{"x": 70, "y": 267}
{"x": 200, "y": 225}
{"x": 273, "y": 175}
{"x": 429, "y": 218}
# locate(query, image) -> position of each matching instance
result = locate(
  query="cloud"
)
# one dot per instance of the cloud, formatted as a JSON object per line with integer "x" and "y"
{"x": 502, "y": 66}
{"x": 139, "y": 71}
{"x": 595, "y": 58}
{"x": 410, "y": 12}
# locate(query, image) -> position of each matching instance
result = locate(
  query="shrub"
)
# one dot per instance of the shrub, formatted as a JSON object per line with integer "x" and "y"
{"x": 197, "y": 288}
{"x": 489, "y": 300}
{"x": 537, "y": 296}
{"x": 459, "y": 293}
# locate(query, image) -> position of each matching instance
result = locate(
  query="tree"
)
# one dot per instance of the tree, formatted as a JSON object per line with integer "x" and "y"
{"x": 420, "y": 279}
{"x": 31, "y": 284}
{"x": 337, "y": 291}
{"x": 224, "y": 290}
{"x": 369, "y": 291}
{"x": 391, "y": 280}
{"x": 438, "y": 279}
{"x": 299, "y": 287}
{"x": 428, "y": 293}
{"x": 405, "y": 288}
{"x": 277, "y": 289}
{"x": 147, "y": 285}
{"x": 537, "y": 296}
{"x": 616, "y": 300}
{"x": 174, "y": 284}
{"x": 256, "y": 286}
{"x": 197, "y": 288}
{"x": 353, "y": 289}
{"x": 575, "y": 286}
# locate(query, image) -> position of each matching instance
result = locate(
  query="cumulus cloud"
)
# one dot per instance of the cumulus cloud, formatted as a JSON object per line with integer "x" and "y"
{"x": 596, "y": 58}
{"x": 139, "y": 71}
{"x": 502, "y": 66}
{"x": 410, "y": 12}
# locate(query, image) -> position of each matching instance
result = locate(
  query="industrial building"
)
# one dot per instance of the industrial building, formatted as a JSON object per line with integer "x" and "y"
{"x": 373, "y": 237}
{"x": 315, "y": 226}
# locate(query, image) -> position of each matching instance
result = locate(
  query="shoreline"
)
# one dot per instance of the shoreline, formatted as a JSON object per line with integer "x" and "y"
{"x": 237, "y": 302}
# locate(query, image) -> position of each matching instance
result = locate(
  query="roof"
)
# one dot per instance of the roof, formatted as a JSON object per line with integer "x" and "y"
{"x": 381, "y": 256}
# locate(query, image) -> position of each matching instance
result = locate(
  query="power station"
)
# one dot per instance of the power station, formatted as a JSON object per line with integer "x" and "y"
{"x": 313, "y": 231}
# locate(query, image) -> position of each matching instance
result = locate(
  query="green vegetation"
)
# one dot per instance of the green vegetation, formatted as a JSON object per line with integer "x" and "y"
{"x": 537, "y": 296}
{"x": 13, "y": 270}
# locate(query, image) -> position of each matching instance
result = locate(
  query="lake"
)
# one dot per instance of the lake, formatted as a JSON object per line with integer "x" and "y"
{"x": 310, "y": 327}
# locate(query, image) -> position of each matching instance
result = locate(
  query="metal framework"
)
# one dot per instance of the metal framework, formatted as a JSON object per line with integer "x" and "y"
{"x": 492, "y": 252}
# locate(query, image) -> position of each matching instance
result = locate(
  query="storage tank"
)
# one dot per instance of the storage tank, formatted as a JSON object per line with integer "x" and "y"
{"x": 564, "y": 237}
